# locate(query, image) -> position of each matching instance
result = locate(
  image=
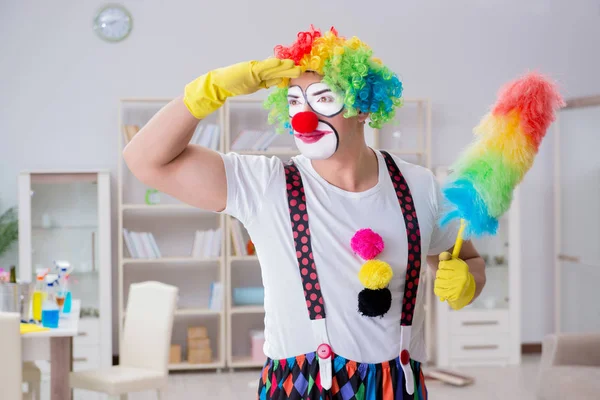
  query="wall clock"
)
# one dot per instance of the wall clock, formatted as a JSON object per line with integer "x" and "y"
{"x": 113, "y": 23}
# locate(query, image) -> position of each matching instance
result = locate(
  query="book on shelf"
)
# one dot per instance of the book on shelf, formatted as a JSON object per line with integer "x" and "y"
{"x": 215, "y": 301}
{"x": 256, "y": 140}
{"x": 141, "y": 244}
{"x": 129, "y": 132}
{"x": 207, "y": 135}
{"x": 237, "y": 236}
{"x": 207, "y": 244}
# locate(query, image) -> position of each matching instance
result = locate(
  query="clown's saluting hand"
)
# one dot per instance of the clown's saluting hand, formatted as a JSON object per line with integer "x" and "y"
{"x": 208, "y": 92}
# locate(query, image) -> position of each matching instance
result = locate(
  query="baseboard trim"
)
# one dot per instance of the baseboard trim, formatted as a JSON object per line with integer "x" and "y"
{"x": 531, "y": 348}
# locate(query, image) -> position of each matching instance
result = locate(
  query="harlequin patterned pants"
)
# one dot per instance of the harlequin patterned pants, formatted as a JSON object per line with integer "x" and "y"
{"x": 297, "y": 378}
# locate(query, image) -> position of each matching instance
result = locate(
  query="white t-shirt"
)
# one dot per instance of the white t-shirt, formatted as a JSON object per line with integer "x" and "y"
{"x": 257, "y": 197}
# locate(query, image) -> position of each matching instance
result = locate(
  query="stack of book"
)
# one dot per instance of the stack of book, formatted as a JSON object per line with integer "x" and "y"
{"x": 141, "y": 244}
{"x": 175, "y": 354}
{"x": 256, "y": 141}
{"x": 207, "y": 135}
{"x": 207, "y": 244}
{"x": 238, "y": 238}
{"x": 199, "y": 351}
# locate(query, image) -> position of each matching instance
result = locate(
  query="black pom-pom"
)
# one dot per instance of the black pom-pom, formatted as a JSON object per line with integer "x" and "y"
{"x": 374, "y": 303}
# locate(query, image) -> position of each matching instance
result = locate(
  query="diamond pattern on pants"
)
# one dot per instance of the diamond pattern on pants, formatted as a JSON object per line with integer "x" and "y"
{"x": 353, "y": 381}
{"x": 301, "y": 384}
{"x": 346, "y": 391}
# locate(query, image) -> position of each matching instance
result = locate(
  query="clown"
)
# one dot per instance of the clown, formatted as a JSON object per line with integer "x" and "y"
{"x": 343, "y": 232}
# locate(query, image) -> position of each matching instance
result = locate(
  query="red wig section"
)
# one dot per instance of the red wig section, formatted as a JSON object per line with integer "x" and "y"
{"x": 301, "y": 46}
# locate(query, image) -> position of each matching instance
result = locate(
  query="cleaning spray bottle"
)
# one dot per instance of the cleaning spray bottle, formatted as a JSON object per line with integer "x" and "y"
{"x": 38, "y": 295}
{"x": 62, "y": 290}
{"x": 50, "y": 310}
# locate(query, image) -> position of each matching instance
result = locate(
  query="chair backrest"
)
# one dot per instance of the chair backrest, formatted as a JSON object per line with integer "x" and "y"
{"x": 11, "y": 366}
{"x": 148, "y": 326}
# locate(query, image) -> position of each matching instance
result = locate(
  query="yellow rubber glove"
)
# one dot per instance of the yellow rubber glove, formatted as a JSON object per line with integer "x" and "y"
{"x": 209, "y": 92}
{"x": 453, "y": 282}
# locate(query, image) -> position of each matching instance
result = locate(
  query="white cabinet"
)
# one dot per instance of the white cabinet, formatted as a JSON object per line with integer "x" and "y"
{"x": 65, "y": 215}
{"x": 576, "y": 216}
{"x": 487, "y": 332}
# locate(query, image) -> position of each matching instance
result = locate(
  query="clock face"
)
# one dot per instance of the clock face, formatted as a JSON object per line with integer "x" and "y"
{"x": 113, "y": 23}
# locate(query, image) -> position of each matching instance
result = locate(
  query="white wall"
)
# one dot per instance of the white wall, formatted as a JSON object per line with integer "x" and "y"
{"x": 59, "y": 84}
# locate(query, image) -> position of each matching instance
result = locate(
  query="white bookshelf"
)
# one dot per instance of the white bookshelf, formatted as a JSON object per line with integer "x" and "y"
{"x": 173, "y": 225}
{"x": 247, "y": 114}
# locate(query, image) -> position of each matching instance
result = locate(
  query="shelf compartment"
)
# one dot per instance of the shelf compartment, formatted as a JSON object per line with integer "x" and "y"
{"x": 194, "y": 284}
{"x": 185, "y": 366}
{"x": 245, "y": 362}
{"x": 157, "y": 208}
{"x": 243, "y": 258}
{"x": 180, "y": 337}
{"x": 240, "y": 328}
{"x": 194, "y": 312}
{"x": 170, "y": 260}
{"x": 197, "y": 312}
{"x": 247, "y": 310}
{"x": 174, "y": 232}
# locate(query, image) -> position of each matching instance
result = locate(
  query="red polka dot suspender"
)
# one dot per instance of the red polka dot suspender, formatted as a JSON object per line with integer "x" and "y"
{"x": 301, "y": 231}
{"x": 413, "y": 235}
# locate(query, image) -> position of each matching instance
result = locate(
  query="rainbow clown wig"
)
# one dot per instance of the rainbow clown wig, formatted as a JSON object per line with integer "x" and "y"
{"x": 348, "y": 67}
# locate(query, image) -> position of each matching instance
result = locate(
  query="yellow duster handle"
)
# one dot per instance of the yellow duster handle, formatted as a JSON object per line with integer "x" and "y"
{"x": 459, "y": 239}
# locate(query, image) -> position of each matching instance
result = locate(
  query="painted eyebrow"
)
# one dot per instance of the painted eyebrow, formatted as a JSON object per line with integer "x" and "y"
{"x": 320, "y": 92}
{"x": 293, "y": 96}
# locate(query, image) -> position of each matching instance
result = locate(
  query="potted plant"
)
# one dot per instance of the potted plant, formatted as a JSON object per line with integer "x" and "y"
{"x": 9, "y": 229}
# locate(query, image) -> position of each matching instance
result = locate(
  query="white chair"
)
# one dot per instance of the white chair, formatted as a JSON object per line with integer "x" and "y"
{"x": 144, "y": 355}
{"x": 11, "y": 374}
{"x": 570, "y": 367}
{"x": 12, "y": 369}
{"x": 33, "y": 377}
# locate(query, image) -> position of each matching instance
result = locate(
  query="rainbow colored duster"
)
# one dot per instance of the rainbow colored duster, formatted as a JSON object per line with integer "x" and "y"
{"x": 480, "y": 188}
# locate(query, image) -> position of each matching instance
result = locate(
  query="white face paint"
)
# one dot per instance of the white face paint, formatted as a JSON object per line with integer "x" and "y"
{"x": 322, "y": 143}
{"x": 318, "y": 145}
{"x": 323, "y": 100}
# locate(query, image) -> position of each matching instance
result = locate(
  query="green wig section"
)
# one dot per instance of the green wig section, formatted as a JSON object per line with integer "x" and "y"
{"x": 279, "y": 114}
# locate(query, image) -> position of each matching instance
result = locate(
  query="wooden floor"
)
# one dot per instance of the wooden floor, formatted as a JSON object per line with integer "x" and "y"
{"x": 491, "y": 383}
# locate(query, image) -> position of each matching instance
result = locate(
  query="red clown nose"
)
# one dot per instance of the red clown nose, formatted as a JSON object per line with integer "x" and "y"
{"x": 305, "y": 122}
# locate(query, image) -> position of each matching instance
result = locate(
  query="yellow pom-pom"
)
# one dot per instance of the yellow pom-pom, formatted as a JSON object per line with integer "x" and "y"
{"x": 375, "y": 274}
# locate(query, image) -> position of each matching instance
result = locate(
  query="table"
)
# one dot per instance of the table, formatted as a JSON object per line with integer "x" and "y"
{"x": 55, "y": 345}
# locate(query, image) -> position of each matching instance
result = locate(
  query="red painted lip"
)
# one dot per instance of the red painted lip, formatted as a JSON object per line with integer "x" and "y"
{"x": 312, "y": 137}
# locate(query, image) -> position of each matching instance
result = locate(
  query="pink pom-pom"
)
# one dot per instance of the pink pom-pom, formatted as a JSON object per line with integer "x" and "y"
{"x": 367, "y": 244}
